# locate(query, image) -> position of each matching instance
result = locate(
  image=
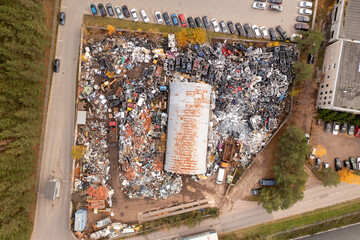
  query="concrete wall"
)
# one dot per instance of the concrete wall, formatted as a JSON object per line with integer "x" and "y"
{"x": 336, "y": 19}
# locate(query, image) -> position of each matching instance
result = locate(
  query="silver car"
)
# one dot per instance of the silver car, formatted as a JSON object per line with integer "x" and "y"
{"x": 134, "y": 15}
{"x": 215, "y": 25}
{"x": 119, "y": 13}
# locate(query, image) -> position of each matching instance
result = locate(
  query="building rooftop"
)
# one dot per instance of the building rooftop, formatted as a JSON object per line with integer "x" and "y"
{"x": 350, "y": 26}
{"x": 347, "y": 92}
{"x": 188, "y": 125}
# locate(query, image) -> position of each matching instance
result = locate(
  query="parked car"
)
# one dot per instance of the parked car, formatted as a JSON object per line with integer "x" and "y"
{"x": 134, "y": 15}
{"x": 275, "y": 1}
{"x": 206, "y": 22}
{"x": 174, "y": 19}
{"x": 255, "y": 191}
{"x": 144, "y": 16}
{"x": 258, "y": 5}
{"x": 256, "y": 30}
{"x": 215, "y": 25}
{"x": 347, "y": 164}
{"x": 223, "y": 27}
{"x": 167, "y": 19}
{"x": 119, "y": 13}
{"x": 261, "y": 0}
{"x": 351, "y": 129}
{"x": 239, "y": 29}
{"x": 62, "y": 18}
{"x": 231, "y": 27}
{"x": 310, "y": 59}
{"x": 327, "y": 127}
{"x": 307, "y": 136}
{"x": 343, "y": 127}
{"x": 182, "y": 20}
{"x": 358, "y": 163}
{"x": 267, "y": 182}
{"x": 305, "y": 4}
{"x": 305, "y": 11}
{"x": 336, "y": 128}
{"x": 125, "y": 11}
{"x": 110, "y": 9}
{"x": 313, "y": 153}
{"x": 352, "y": 163}
{"x": 302, "y": 26}
{"x": 276, "y": 7}
{"x": 191, "y": 22}
{"x": 102, "y": 10}
{"x": 357, "y": 131}
{"x": 220, "y": 176}
{"x": 338, "y": 164}
{"x": 248, "y": 30}
{"x": 158, "y": 18}
{"x": 281, "y": 32}
{"x": 93, "y": 9}
{"x": 325, "y": 165}
{"x": 272, "y": 34}
{"x": 317, "y": 163}
{"x": 264, "y": 32}
{"x": 198, "y": 22}
{"x": 304, "y": 19}
{"x": 57, "y": 65}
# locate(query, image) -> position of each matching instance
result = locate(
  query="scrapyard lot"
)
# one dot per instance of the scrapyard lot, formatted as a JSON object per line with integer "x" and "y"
{"x": 236, "y": 11}
{"x": 132, "y": 160}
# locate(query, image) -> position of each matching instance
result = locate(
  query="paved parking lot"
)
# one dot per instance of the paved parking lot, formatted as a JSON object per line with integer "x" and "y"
{"x": 234, "y": 10}
{"x": 342, "y": 145}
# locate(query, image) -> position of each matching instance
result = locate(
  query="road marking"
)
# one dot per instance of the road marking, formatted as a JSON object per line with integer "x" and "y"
{"x": 63, "y": 6}
{"x": 60, "y": 40}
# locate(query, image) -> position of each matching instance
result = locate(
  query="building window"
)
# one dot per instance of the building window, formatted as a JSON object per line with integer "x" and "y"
{"x": 329, "y": 66}
{"x": 334, "y": 65}
{"x": 332, "y": 34}
{"x": 321, "y": 93}
{"x": 324, "y": 103}
{"x": 322, "y": 86}
{"x": 324, "y": 69}
{"x": 328, "y": 76}
{"x": 320, "y": 98}
{"x": 330, "y": 91}
{"x": 328, "y": 102}
{"x": 325, "y": 92}
{"x": 324, "y": 98}
{"x": 319, "y": 103}
{"x": 327, "y": 85}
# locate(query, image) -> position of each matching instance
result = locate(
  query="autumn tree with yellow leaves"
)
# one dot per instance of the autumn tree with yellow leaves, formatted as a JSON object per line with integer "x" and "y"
{"x": 190, "y": 36}
{"x": 111, "y": 29}
{"x": 349, "y": 176}
{"x": 77, "y": 152}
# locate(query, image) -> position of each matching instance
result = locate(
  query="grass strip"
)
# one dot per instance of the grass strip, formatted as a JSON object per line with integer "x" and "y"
{"x": 263, "y": 230}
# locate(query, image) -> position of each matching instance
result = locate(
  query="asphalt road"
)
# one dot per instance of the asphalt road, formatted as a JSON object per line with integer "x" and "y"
{"x": 52, "y": 217}
{"x": 349, "y": 233}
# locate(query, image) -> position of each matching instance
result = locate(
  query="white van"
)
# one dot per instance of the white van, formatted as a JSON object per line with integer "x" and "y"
{"x": 220, "y": 176}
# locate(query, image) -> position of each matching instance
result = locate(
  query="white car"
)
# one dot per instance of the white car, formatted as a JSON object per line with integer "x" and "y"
{"x": 304, "y": 11}
{"x": 118, "y": 12}
{"x": 305, "y": 4}
{"x": 256, "y": 30}
{"x": 336, "y": 128}
{"x": 134, "y": 15}
{"x": 264, "y": 31}
{"x": 144, "y": 16}
{"x": 215, "y": 25}
{"x": 159, "y": 18}
{"x": 259, "y": 5}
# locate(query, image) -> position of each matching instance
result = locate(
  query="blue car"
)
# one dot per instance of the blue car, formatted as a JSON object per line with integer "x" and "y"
{"x": 93, "y": 9}
{"x": 174, "y": 19}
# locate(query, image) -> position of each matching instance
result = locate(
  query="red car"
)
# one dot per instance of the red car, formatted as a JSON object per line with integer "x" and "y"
{"x": 357, "y": 131}
{"x": 182, "y": 20}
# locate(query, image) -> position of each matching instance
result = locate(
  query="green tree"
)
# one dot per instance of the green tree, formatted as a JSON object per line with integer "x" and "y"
{"x": 310, "y": 41}
{"x": 289, "y": 172}
{"x": 329, "y": 177}
{"x": 302, "y": 71}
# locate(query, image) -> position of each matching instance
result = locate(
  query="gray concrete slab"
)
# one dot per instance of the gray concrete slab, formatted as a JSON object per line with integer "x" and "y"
{"x": 350, "y": 26}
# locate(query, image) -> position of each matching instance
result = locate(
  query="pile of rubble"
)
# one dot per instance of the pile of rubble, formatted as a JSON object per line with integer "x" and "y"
{"x": 125, "y": 79}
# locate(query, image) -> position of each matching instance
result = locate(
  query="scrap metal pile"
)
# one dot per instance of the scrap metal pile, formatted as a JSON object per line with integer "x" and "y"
{"x": 125, "y": 79}
{"x": 95, "y": 165}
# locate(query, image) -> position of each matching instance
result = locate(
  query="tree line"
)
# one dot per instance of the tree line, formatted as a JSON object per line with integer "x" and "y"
{"x": 336, "y": 116}
{"x": 289, "y": 172}
{"x": 23, "y": 37}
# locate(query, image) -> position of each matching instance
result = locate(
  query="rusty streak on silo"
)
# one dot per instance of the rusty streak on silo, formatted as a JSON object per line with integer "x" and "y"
{"x": 188, "y": 126}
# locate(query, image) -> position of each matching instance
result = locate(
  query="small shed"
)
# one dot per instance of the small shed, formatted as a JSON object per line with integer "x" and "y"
{"x": 80, "y": 220}
{"x": 52, "y": 189}
{"x": 81, "y": 118}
